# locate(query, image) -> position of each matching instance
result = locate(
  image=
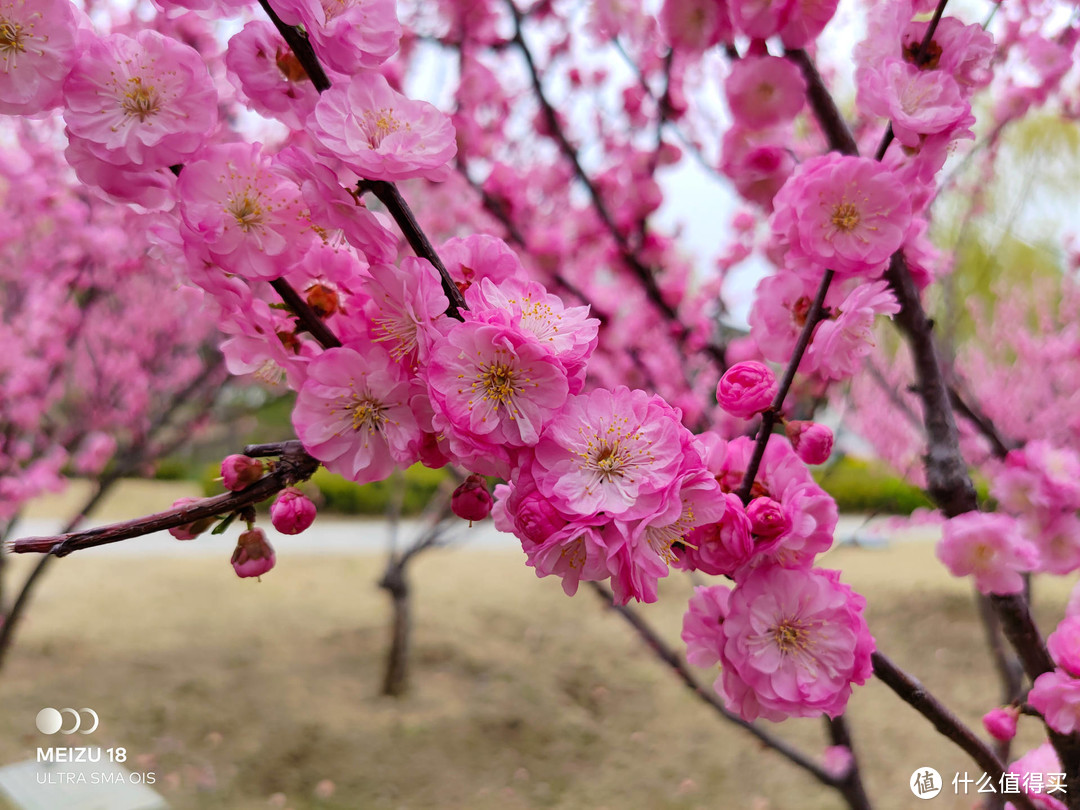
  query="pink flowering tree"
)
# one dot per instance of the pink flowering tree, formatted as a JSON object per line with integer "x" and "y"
{"x": 437, "y": 289}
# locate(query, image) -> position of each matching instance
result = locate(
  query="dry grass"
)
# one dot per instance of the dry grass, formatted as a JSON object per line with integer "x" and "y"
{"x": 233, "y": 691}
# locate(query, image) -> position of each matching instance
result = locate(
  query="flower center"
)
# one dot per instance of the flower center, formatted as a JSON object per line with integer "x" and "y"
{"x": 368, "y": 413}
{"x": 499, "y": 382}
{"x": 845, "y": 217}
{"x": 381, "y": 123}
{"x": 140, "y": 101}
{"x": 246, "y": 211}
{"x": 790, "y": 637}
{"x": 11, "y": 37}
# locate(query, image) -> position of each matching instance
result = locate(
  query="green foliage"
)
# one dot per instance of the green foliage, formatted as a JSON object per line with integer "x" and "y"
{"x": 867, "y": 486}
{"x": 334, "y": 494}
{"x": 172, "y": 469}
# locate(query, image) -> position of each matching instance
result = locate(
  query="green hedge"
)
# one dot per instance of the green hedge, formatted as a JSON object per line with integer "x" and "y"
{"x": 867, "y": 486}
{"x": 335, "y": 494}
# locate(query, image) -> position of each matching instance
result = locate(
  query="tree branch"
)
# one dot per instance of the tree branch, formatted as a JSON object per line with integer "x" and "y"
{"x": 305, "y": 314}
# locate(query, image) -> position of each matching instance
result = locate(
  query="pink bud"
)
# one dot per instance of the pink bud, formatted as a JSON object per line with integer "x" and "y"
{"x": 1001, "y": 723}
{"x": 292, "y": 512}
{"x": 240, "y": 472}
{"x": 812, "y": 442}
{"x": 837, "y": 761}
{"x": 190, "y": 531}
{"x": 768, "y": 519}
{"x": 253, "y": 555}
{"x": 746, "y": 389}
{"x": 472, "y": 501}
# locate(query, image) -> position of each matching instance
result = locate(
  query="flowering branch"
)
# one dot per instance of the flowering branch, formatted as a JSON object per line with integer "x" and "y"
{"x": 294, "y": 465}
{"x": 305, "y": 314}
{"x": 300, "y": 45}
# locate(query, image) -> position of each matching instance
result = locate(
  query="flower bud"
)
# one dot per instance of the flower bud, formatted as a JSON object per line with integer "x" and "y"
{"x": 472, "y": 501}
{"x": 253, "y": 555}
{"x": 1000, "y": 723}
{"x": 837, "y": 761}
{"x": 292, "y": 512}
{"x": 812, "y": 442}
{"x": 768, "y": 520}
{"x": 323, "y": 299}
{"x": 189, "y": 531}
{"x": 746, "y": 389}
{"x": 239, "y": 472}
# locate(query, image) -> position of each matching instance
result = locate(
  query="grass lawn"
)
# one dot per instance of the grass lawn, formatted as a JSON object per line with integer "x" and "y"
{"x": 242, "y": 695}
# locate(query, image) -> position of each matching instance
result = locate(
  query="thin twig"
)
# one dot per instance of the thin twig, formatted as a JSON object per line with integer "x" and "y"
{"x": 305, "y": 314}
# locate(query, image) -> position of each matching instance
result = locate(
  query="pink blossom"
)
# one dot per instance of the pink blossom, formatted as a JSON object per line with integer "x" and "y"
{"x": 756, "y": 163}
{"x": 795, "y": 642}
{"x": 38, "y": 42}
{"x": 695, "y": 25}
{"x": 493, "y": 387}
{"x": 353, "y": 414}
{"x": 272, "y": 80}
{"x": 781, "y": 304}
{"x": 348, "y": 35}
{"x": 763, "y": 91}
{"x": 1064, "y": 645}
{"x": 576, "y": 554}
{"x": 406, "y": 308}
{"x": 95, "y": 451}
{"x": 768, "y": 520}
{"x": 747, "y": 389}
{"x": 1056, "y": 696}
{"x": 1057, "y": 537}
{"x": 1000, "y": 723}
{"x": 380, "y": 134}
{"x": 239, "y": 472}
{"x": 241, "y": 213}
{"x": 253, "y": 555}
{"x": 806, "y": 19}
{"x": 839, "y": 346}
{"x": 567, "y": 332}
{"x": 471, "y": 500}
{"x": 847, "y": 214}
{"x": 703, "y": 622}
{"x": 1043, "y": 762}
{"x": 617, "y": 452}
{"x": 471, "y": 259}
{"x": 721, "y": 547}
{"x": 990, "y": 547}
{"x": 292, "y": 512}
{"x": 812, "y": 442}
{"x": 919, "y": 102}
{"x": 146, "y": 101}
{"x": 760, "y": 19}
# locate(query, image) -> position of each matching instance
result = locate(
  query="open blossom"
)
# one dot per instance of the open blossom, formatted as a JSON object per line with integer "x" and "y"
{"x": 1056, "y": 696}
{"x": 146, "y": 101}
{"x": 404, "y": 305}
{"x": 380, "y": 134}
{"x": 242, "y": 213}
{"x": 347, "y": 34}
{"x": 612, "y": 451}
{"x": 746, "y": 389}
{"x": 757, "y": 162}
{"x": 919, "y": 102}
{"x": 470, "y": 259}
{"x": 839, "y": 345}
{"x": 695, "y": 25}
{"x": 269, "y": 75}
{"x": 493, "y": 387}
{"x": 37, "y": 50}
{"x": 721, "y": 547}
{"x": 702, "y": 627}
{"x": 795, "y": 643}
{"x": 988, "y": 546}
{"x": 846, "y": 214}
{"x": 763, "y": 91}
{"x": 353, "y": 413}
{"x": 1040, "y": 763}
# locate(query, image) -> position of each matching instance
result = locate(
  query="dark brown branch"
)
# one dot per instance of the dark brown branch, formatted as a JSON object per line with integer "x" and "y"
{"x": 301, "y": 48}
{"x": 821, "y": 102}
{"x": 851, "y": 786}
{"x": 680, "y": 669}
{"x": 294, "y": 465}
{"x": 389, "y": 196}
{"x": 915, "y": 695}
{"x": 315, "y": 325}
{"x": 769, "y": 417}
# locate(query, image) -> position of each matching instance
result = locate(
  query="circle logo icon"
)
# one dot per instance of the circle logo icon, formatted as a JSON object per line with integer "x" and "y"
{"x": 925, "y": 783}
{"x": 51, "y": 721}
